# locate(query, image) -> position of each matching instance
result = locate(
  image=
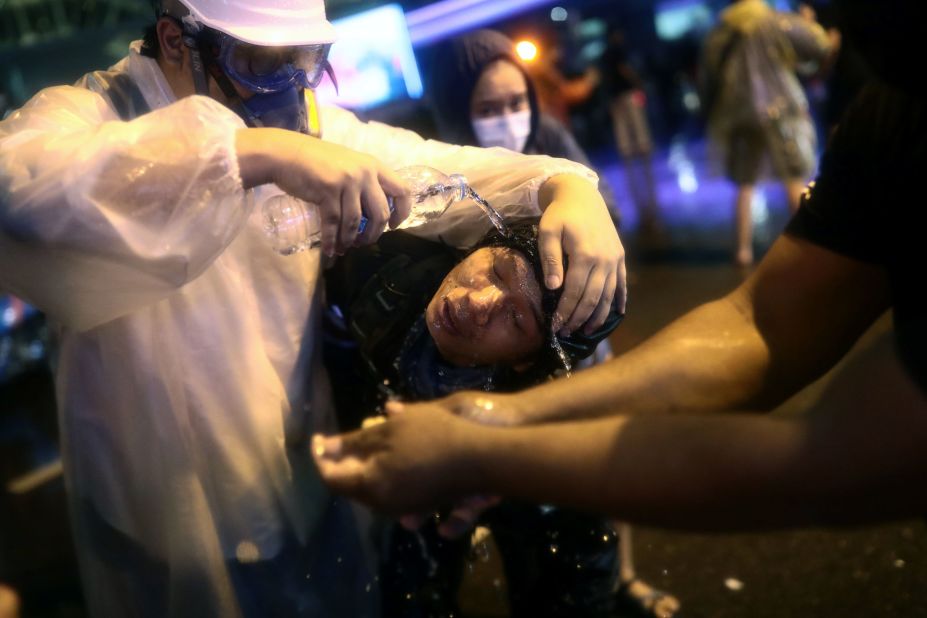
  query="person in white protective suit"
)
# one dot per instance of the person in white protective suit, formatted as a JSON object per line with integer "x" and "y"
{"x": 187, "y": 378}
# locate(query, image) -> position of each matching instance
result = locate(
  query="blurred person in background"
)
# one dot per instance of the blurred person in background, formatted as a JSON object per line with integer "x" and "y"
{"x": 557, "y": 94}
{"x": 189, "y": 376}
{"x": 627, "y": 104}
{"x": 756, "y": 108}
{"x": 690, "y": 404}
{"x": 481, "y": 95}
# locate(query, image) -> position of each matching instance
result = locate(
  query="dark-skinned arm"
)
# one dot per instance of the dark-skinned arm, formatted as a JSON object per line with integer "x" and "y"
{"x": 785, "y": 326}
{"x": 856, "y": 456}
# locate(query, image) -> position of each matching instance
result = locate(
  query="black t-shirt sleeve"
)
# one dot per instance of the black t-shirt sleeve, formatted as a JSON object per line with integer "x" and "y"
{"x": 837, "y": 210}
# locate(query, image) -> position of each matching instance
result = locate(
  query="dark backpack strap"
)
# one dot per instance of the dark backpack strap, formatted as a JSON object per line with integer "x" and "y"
{"x": 120, "y": 90}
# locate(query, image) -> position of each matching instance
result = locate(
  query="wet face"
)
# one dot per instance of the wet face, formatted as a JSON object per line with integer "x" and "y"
{"x": 501, "y": 89}
{"x": 488, "y": 311}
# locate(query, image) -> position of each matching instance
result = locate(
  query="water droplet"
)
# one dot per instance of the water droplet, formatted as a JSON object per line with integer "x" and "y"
{"x": 555, "y": 344}
{"x": 367, "y": 588}
{"x": 339, "y": 559}
{"x": 247, "y": 552}
{"x": 497, "y": 583}
{"x": 481, "y": 552}
{"x": 733, "y": 584}
{"x": 491, "y": 212}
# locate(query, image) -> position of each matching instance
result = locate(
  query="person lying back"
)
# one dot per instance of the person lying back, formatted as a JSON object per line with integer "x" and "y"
{"x": 416, "y": 319}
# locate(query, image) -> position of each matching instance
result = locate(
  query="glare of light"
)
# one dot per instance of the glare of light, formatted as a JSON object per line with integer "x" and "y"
{"x": 9, "y": 316}
{"x": 526, "y": 50}
{"x": 686, "y": 179}
{"x": 445, "y": 18}
{"x": 558, "y": 13}
{"x": 759, "y": 208}
{"x": 691, "y": 102}
{"x": 680, "y": 163}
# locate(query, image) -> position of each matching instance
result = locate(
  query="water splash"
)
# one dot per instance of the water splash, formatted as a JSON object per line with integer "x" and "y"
{"x": 491, "y": 212}
{"x": 561, "y": 354}
{"x": 426, "y": 554}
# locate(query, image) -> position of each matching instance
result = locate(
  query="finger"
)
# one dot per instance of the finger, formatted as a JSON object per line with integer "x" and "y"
{"x": 376, "y": 209}
{"x": 345, "y": 476}
{"x": 329, "y": 223}
{"x": 329, "y": 447}
{"x": 573, "y": 289}
{"x": 621, "y": 289}
{"x": 412, "y": 522}
{"x": 396, "y": 188}
{"x": 465, "y": 515}
{"x": 394, "y": 407}
{"x": 589, "y": 301}
{"x": 551, "y": 247}
{"x": 372, "y": 421}
{"x": 601, "y": 312}
{"x": 350, "y": 216}
{"x": 458, "y": 523}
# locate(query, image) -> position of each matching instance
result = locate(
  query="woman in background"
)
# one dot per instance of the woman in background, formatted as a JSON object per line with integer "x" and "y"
{"x": 482, "y": 96}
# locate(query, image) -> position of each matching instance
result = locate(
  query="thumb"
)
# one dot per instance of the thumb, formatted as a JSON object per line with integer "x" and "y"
{"x": 400, "y": 199}
{"x": 394, "y": 407}
{"x": 344, "y": 476}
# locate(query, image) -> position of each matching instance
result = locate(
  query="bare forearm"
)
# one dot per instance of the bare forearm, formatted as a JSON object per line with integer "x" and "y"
{"x": 710, "y": 359}
{"x": 256, "y": 155}
{"x": 695, "y": 473}
{"x": 791, "y": 321}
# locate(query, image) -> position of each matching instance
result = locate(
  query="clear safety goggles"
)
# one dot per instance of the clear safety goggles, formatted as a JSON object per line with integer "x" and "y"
{"x": 272, "y": 69}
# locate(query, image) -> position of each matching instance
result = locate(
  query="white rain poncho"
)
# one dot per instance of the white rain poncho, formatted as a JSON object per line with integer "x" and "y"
{"x": 188, "y": 377}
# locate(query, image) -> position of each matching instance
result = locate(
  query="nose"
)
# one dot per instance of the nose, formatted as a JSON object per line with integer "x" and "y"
{"x": 483, "y": 302}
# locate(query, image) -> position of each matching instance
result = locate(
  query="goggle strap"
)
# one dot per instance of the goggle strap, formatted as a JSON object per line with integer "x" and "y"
{"x": 330, "y": 71}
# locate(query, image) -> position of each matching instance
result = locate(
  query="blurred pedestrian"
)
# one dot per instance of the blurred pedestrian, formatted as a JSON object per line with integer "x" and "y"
{"x": 482, "y": 95}
{"x": 627, "y": 104}
{"x": 556, "y": 92}
{"x": 755, "y": 104}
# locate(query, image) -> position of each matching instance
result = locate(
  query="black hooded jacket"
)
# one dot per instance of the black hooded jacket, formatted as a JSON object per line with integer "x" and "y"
{"x": 456, "y": 68}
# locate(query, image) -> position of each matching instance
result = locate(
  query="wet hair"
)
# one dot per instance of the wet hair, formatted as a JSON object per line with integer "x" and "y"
{"x": 523, "y": 238}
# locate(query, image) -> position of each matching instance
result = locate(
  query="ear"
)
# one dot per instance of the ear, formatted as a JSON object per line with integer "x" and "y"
{"x": 170, "y": 38}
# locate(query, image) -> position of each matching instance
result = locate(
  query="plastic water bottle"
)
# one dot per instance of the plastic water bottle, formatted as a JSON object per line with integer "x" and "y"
{"x": 293, "y": 225}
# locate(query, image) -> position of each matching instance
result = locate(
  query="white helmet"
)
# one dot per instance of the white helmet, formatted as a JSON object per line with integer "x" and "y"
{"x": 259, "y": 22}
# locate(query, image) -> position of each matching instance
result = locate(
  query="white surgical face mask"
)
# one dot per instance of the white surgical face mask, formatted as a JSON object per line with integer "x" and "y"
{"x": 506, "y": 130}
